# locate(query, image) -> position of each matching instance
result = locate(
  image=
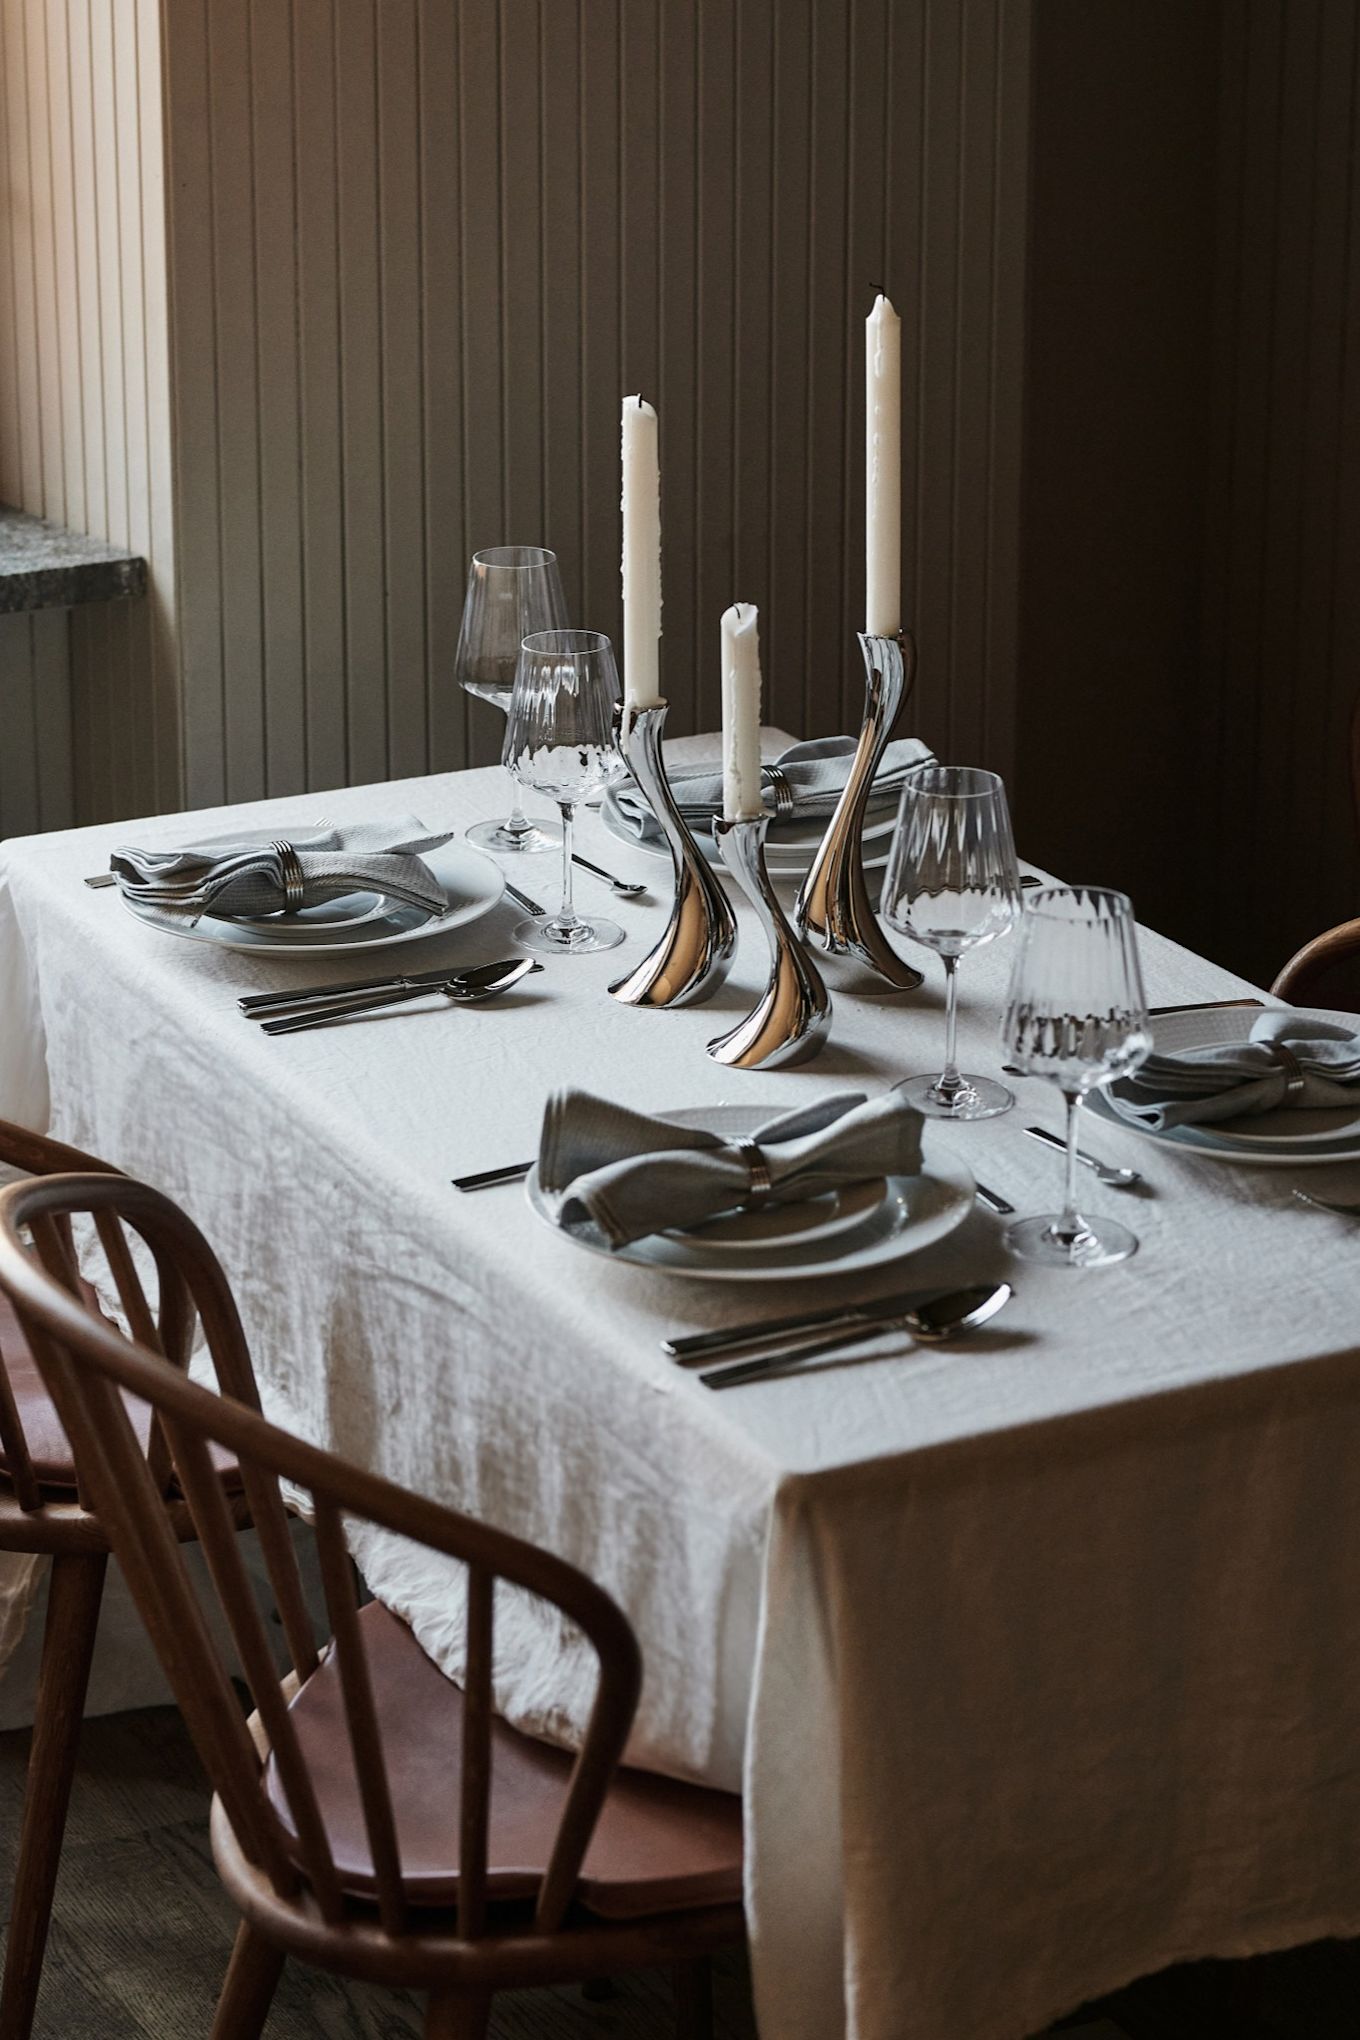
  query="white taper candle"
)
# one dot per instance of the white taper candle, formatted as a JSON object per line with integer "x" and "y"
{"x": 641, "y": 556}
{"x": 883, "y": 470}
{"x": 741, "y": 712}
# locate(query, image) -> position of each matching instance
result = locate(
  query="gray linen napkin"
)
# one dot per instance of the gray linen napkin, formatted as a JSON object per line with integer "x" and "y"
{"x": 1238, "y": 1078}
{"x": 816, "y": 772}
{"x": 233, "y": 875}
{"x": 632, "y": 1174}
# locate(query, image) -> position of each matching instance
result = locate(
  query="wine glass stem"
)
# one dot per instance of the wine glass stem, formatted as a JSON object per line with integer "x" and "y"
{"x": 517, "y": 823}
{"x": 566, "y": 913}
{"x": 950, "y": 1083}
{"x": 1071, "y": 1223}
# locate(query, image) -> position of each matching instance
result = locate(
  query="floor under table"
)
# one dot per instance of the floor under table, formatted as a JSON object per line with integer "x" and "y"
{"x": 143, "y": 1929}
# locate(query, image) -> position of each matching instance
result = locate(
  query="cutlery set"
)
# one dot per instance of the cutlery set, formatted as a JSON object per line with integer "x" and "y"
{"x": 326, "y": 1005}
{"x": 930, "y": 1321}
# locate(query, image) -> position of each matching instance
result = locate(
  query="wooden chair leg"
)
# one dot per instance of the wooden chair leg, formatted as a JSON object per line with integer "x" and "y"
{"x": 248, "y": 1991}
{"x": 694, "y": 2000}
{"x": 73, "y": 1596}
{"x": 452, "y": 2015}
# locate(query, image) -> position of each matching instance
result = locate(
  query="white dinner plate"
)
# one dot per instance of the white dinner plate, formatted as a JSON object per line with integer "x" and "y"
{"x": 472, "y": 881}
{"x": 1278, "y": 1139}
{"x": 789, "y": 846}
{"x": 912, "y": 1212}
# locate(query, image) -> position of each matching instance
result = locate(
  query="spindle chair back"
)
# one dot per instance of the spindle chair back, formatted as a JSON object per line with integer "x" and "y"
{"x": 273, "y": 1837}
{"x": 45, "y": 1511}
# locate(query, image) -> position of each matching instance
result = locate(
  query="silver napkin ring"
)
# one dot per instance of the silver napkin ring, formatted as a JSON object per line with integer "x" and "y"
{"x": 1294, "y": 1079}
{"x": 290, "y": 870}
{"x": 762, "y": 1184}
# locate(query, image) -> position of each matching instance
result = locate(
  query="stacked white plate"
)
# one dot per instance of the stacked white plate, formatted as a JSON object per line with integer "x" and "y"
{"x": 473, "y": 884}
{"x": 864, "y": 1225}
{"x": 1279, "y": 1139}
{"x": 789, "y": 847}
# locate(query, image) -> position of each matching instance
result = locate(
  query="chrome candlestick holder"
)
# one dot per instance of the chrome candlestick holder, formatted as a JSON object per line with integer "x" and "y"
{"x": 834, "y": 910}
{"x": 695, "y": 953}
{"x": 792, "y": 1018}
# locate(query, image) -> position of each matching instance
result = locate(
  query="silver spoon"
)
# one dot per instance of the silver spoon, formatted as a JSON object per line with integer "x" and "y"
{"x": 1325, "y": 1204}
{"x": 1104, "y": 1172}
{"x": 626, "y": 888}
{"x": 931, "y": 1325}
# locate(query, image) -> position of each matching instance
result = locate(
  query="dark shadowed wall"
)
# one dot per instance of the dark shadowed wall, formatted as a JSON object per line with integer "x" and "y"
{"x": 1189, "y": 648}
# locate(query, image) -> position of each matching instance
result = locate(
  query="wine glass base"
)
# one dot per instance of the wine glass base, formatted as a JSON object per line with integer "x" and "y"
{"x": 1099, "y": 1243}
{"x": 980, "y": 1098}
{"x": 515, "y": 842}
{"x": 578, "y": 940}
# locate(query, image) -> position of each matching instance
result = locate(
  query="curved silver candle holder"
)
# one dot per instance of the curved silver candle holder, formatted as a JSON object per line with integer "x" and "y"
{"x": 792, "y": 1018}
{"x": 695, "y": 953}
{"x": 834, "y": 909}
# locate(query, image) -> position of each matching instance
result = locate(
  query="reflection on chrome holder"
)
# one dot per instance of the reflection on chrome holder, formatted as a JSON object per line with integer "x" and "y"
{"x": 791, "y": 1021}
{"x": 695, "y": 953}
{"x": 834, "y": 910}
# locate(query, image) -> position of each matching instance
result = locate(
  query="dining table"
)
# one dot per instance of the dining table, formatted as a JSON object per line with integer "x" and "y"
{"x": 1033, "y": 1655}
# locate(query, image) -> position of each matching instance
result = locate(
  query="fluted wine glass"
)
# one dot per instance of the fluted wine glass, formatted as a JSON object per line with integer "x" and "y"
{"x": 1076, "y": 1013}
{"x": 951, "y": 885}
{"x": 560, "y": 739}
{"x": 512, "y": 591}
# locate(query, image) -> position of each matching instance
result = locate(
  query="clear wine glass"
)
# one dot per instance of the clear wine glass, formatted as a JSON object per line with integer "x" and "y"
{"x": 560, "y": 739}
{"x": 951, "y": 885}
{"x": 1076, "y": 1013}
{"x": 512, "y": 591}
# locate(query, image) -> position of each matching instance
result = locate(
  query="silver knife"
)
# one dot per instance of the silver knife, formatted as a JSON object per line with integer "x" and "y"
{"x": 383, "y": 1002}
{"x": 732, "y": 1338}
{"x": 522, "y": 899}
{"x": 929, "y": 1324}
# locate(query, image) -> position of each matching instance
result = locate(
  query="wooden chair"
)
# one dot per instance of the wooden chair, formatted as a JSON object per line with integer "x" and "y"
{"x": 1325, "y": 972}
{"x": 45, "y": 1510}
{"x": 372, "y": 1818}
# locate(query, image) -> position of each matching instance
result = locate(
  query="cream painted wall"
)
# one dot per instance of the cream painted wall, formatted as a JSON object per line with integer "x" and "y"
{"x": 85, "y": 396}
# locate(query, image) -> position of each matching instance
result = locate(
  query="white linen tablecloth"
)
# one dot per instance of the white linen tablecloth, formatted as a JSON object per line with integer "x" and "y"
{"x": 1035, "y": 1656}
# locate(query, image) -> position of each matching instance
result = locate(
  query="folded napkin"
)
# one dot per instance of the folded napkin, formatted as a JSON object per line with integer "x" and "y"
{"x": 1236, "y": 1078}
{"x": 243, "y": 876}
{"x": 816, "y": 773}
{"x": 632, "y": 1174}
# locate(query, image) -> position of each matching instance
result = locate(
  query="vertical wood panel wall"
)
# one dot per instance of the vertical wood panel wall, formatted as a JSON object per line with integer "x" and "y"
{"x": 419, "y": 250}
{"x": 84, "y": 395}
{"x": 1281, "y": 639}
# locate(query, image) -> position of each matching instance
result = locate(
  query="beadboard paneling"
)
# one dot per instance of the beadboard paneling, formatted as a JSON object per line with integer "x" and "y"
{"x": 84, "y": 377}
{"x": 421, "y": 248}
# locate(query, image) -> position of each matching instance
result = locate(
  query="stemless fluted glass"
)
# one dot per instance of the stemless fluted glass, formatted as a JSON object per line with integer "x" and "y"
{"x": 1076, "y": 1013}
{"x": 951, "y": 885}
{"x": 512, "y": 591}
{"x": 560, "y": 739}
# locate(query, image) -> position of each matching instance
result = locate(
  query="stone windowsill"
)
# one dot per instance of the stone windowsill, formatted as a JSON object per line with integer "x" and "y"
{"x": 43, "y": 566}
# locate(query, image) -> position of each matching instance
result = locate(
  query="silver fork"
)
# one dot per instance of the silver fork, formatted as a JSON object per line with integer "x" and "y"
{"x": 1326, "y": 1204}
{"x": 784, "y": 802}
{"x": 99, "y": 880}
